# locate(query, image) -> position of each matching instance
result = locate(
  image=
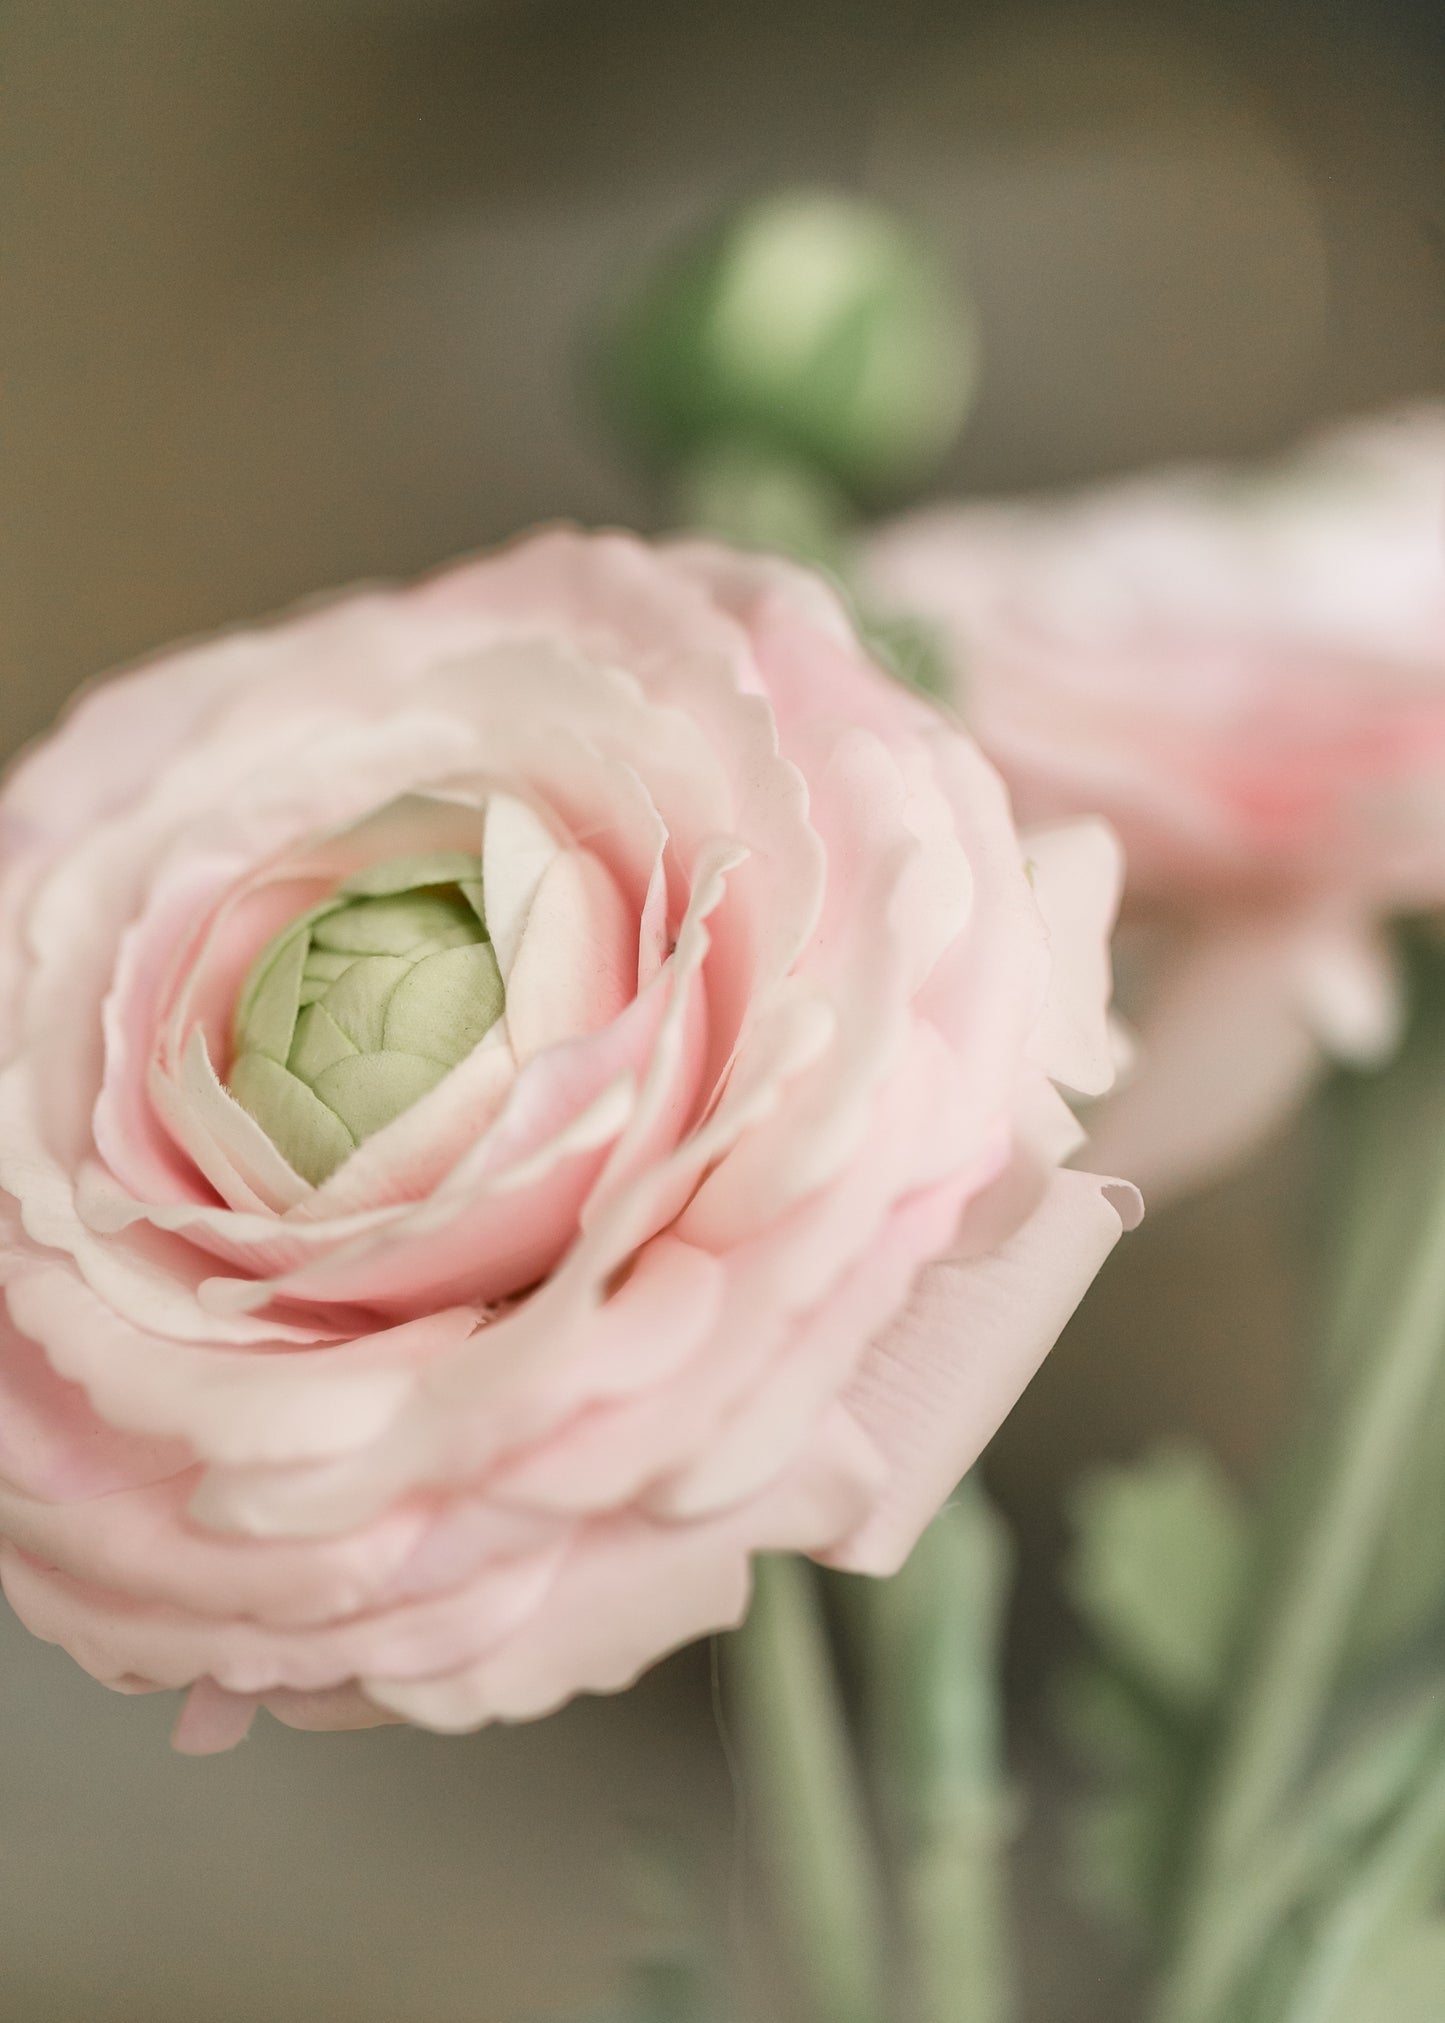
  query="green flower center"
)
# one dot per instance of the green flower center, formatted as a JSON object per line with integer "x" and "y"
{"x": 360, "y": 1007}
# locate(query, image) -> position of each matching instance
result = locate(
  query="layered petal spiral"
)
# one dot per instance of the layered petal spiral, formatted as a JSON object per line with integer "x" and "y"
{"x": 516, "y": 1095}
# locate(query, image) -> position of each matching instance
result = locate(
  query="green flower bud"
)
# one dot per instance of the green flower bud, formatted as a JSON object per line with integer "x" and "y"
{"x": 362, "y": 1005}
{"x": 811, "y": 326}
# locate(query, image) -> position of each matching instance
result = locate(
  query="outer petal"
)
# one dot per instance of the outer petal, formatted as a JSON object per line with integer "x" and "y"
{"x": 53, "y": 1447}
{"x": 1244, "y": 671}
{"x": 118, "y": 1638}
{"x": 1078, "y": 878}
{"x": 1240, "y": 1021}
{"x": 212, "y": 1720}
{"x": 935, "y": 1388}
{"x": 635, "y": 1588}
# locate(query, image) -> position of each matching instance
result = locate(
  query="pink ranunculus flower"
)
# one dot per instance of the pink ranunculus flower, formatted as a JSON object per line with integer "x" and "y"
{"x": 738, "y": 1230}
{"x": 1246, "y": 675}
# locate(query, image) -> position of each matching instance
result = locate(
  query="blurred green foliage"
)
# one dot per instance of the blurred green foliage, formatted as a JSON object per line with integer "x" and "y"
{"x": 1331, "y": 1912}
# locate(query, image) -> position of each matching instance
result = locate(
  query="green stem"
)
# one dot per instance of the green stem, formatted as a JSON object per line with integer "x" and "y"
{"x": 1349, "y": 1796}
{"x": 929, "y": 1646}
{"x": 1336, "y": 1527}
{"x": 759, "y": 499}
{"x": 1337, "y": 1502}
{"x": 813, "y": 1834}
{"x": 1400, "y": 1872}
{"x": 1330, "y": 1547}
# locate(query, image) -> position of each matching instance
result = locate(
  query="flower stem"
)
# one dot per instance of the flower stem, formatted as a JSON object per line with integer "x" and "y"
{"x": 1330, "y": 1549}
{"x": 1398, "y": 1876}
{"x": 813, "y": 1832}
{"x": 930, "y": 1651}
{"x": 759, "y": 499}
{"x": 1365, "y": 1781}
{"x": 1334, "y": 1503}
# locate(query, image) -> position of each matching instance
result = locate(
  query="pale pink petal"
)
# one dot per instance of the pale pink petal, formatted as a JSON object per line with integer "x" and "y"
{"x": 802, "y": 1299}
{"x": 633, "y": 1589}
{"x": 1241, "y": 670}
{"x": 53, "y": 1446}
{"x": 632, "y": 608}
{"x": 141, "y": 1543}
{"x": 114, "y": 1636}
{"x": 935, "y": 1388}
{"x": 516, "y": 1381}
{"x": 754, "y": 1440}
{"x": 259, "y": 1405}
{"x": 1230, "y": 1038}
{"x": 575, "y": 964}
{"x": 341, "y": 1709}
{"x": 212, "y": 1720}
{"x": 1077, "y": 877}
{"x": 144, "y": 1277}
{"x": 518, "y": 851}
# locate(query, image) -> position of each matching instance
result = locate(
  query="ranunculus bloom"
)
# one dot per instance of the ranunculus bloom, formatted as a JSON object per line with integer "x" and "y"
{"x": 718, "y": 1211}
{"x": 1246, "y": 674}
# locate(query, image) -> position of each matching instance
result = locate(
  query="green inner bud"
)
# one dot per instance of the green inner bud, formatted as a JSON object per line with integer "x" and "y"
{"x": 362, "y": 1005}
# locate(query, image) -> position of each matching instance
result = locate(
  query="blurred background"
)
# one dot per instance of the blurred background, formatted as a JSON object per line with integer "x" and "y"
{"x": 291, "y": 292}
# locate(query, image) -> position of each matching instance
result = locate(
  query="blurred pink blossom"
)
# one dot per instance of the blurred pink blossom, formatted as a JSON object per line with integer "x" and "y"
{"x": 1245, "y": 673}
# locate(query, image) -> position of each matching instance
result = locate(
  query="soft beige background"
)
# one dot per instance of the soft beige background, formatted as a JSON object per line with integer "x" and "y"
{"x": 291, "y": 294}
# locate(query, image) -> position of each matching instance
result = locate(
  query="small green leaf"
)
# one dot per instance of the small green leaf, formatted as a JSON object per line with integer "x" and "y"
{"x": 1160, "y": 1572}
